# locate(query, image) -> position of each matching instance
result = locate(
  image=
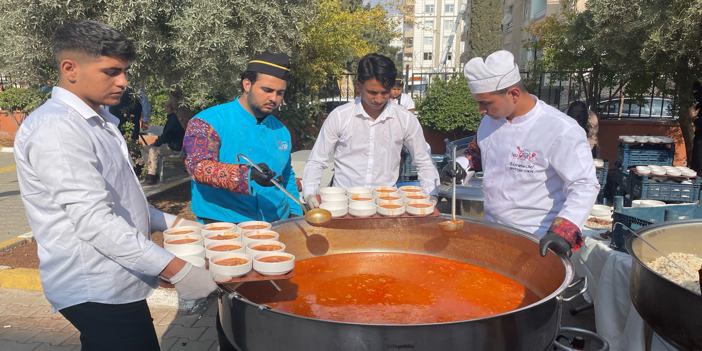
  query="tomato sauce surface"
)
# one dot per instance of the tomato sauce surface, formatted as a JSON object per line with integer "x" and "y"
{"x": 396, "y": 288}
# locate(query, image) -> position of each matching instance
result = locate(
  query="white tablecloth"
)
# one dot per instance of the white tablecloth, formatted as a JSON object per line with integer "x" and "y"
{"x": 616, "y": 318}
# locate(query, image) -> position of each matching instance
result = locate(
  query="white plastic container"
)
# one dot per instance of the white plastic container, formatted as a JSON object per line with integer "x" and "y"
{"x": 420, "y": 207}
{"x": 259, "y": 236}
{"x": 252, "y": 226}
{"x": 359, "y": 191}
{"x": 218, "y": 228}
{"x": 337, "y": 210}
{"x": 273, "y": 268}
{"x": 255, "y": 248}
{"x": 222, "y": 272}
{"x": 362, "y": 209}
{"x": 210, "y": 250}
{"x": 185, "y": 250}
{"x": 391, "y": 210}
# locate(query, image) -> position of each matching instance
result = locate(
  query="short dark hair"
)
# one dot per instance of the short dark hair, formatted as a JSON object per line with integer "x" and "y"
{"x": 92, "y": 38}
{"x": 519, "y": 85}
{"x": 378, "y": 67}
{"x": 250, "y": 75}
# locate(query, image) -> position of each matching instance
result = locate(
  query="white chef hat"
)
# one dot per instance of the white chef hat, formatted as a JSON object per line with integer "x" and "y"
{"x": 497, "y": 72}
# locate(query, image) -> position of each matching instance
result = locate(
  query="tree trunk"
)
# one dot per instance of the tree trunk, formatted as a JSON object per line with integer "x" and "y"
{"x": 683, "y": 90}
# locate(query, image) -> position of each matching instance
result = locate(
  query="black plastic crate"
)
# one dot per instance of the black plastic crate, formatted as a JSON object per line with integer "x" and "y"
{"x": 654, "y": 188}
{"x": 630, "y": 155}
{"x": 601, "y": 174}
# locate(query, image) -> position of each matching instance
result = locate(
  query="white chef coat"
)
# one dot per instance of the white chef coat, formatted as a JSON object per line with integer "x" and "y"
{"x": 85, "y": 206}
{"x": 536, "y": 168}
{"x": 405, "y": 101}
{"x": 366, "y": 152}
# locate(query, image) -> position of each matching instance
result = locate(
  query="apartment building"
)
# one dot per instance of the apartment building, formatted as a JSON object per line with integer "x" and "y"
{"x": 432, "y": 40}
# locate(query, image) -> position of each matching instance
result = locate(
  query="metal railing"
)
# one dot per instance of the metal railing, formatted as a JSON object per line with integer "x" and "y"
{"x": 558, "y": 89}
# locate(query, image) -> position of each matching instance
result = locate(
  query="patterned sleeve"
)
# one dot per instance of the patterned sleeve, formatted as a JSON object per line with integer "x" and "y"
{"x": 201, "y": 145}
{"x": 473, "y": 155}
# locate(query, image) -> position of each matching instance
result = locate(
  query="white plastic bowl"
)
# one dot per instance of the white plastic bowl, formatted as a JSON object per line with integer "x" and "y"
{"x": 337, "y": 210}
{"x": 252, "y": 226}
{"x": 647, "y": 203}
{"x": 332, "y": 190}
{"x": 628, "y": 139}
{"x": 219, "y": 227}
{"x": 359, "y": 190}
{"x": 184, "y": 240}
{"x": 384, "y": 190}
{"x": 229, "y": 237}
{"x": 259, "y": 236}
{"x": 394, "y": 199}
{"x": 416, "y": 197}
{"x": 598, "y": 163}
{"x": 252, "y": 251}
{"x": 391, "y": 210}
{"x": 209, "y": 252}
{"x": 674, "y": 172}
{"x": 221, "y": 272}
{"x": 420, "y": 207}
{"x": 601, "y": 211}
{"x": 410, "y": 189}
{"x": 333, "y": 197}
{"x": 362, "y": 209}
{"x": 273, "y": 268}
{"x": 185, "y": 250}
{"x": 361, "y": 199}
{"x": 178, "y": 231}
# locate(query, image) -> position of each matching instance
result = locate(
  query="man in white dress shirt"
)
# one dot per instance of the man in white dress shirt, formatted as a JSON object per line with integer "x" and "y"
{"x": 538, "y": 170}
{"x": 365, "y": 137}
{"x": 85, "y": 206}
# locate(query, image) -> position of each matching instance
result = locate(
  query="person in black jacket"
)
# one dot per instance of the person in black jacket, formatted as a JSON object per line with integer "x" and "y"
{"x": 696, "y": 113}
{"x": 170, "y": 141}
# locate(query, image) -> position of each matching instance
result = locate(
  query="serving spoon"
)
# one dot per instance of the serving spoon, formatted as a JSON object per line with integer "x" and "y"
{"x": 453, "y": 225}
{"x": 316, "y": 216}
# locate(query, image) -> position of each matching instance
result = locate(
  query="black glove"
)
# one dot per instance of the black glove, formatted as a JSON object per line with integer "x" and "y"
{"x": 447, "y": 174}
{"x": 263, "y": 178}
{"x": 556, "y": 243}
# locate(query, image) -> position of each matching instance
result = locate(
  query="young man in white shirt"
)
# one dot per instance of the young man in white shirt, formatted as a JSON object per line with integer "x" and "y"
{"x": 365, "y": 137}
{"x": 539, "y": 174}
{"x": 85, "y": 206}
{"x": 400, "y": 98}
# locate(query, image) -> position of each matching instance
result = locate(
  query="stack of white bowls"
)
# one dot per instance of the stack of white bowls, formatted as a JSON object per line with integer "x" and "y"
{"x": 361, "y": 202}
{"x": 334, "y": 200}
{"x": 186, "y": 243}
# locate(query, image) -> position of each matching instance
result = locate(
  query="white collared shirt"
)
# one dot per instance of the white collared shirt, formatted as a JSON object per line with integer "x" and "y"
{"x": 405, "y": 100}
{"x": 536, "y": 168}
{"x": 366, "y": 152}
{"x": 89, "y": 215}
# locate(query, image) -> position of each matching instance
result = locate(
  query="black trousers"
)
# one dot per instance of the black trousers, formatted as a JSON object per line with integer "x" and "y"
{"x": 107, "y": 327}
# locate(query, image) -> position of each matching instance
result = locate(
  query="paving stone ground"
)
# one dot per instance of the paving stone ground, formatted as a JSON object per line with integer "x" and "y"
{"x": 27, "y": 323}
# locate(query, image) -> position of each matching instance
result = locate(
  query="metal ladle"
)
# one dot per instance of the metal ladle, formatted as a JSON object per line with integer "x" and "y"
{"x": 316, "y": 216}
{"x": 453, "y": 225}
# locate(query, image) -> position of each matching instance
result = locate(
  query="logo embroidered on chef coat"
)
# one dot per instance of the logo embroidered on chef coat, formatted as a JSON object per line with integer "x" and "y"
{"x": 282, "y": 146}
{"x": 523, "y": 160}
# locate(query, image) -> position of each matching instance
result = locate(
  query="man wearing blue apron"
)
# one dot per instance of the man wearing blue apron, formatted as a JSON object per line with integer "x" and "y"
{"x": 225, "y": 188}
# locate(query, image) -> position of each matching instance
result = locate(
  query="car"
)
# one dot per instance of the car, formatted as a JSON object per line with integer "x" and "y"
{"x": 647, "y": 107}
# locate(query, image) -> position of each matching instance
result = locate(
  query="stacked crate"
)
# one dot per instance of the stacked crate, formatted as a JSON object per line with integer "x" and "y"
{"x": 634, "y": 186}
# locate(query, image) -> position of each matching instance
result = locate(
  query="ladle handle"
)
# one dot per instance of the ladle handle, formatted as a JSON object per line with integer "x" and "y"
{"x": 291, "y": 196}
{"x": 453, "y": 187}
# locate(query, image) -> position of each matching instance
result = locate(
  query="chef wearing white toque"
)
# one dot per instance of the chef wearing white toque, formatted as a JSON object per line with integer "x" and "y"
{"x": 538, "y": 170}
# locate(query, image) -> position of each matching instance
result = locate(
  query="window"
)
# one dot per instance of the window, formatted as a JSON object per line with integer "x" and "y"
{"x": 449, "y": 57}
{"x": 429, "y": 8}
{"x": 538, "y": 9}
{"x": 428, "y": 41}
{"x": 449, "y": 8}
{"x": 448, "y": 25}
{"x": 409, "y": 42}
{"x": 408, "y": 55}
{"x": 427, "y": 56}
{"x": 429, "y": 25}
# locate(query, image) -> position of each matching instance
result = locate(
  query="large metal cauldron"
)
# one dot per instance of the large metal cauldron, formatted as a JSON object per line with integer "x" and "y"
{"x": 672, "y": 311}
{"x": 512, "y": 253}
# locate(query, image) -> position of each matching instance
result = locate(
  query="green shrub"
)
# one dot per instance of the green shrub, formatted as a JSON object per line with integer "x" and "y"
{"x": 20, "y": 99}
{"x": 449, "y": 106}
{"x": 158, "y": 99}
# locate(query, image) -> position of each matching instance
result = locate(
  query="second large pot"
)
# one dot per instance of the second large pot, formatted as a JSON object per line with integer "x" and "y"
{"x": 252, "y": 326}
